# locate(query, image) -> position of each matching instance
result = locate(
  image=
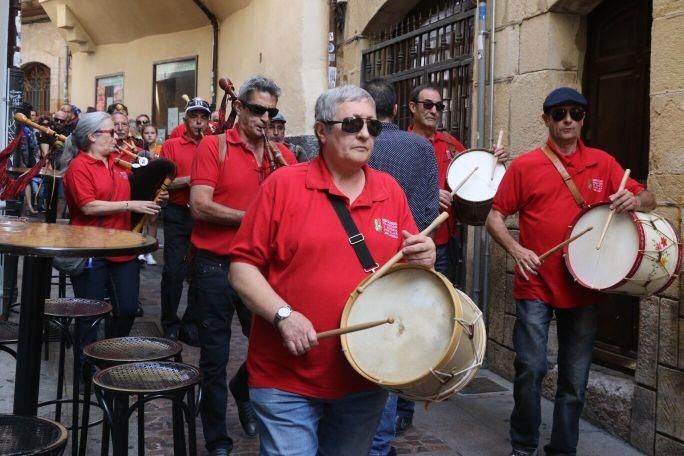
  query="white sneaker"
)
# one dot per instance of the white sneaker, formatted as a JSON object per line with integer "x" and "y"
{"x": 150, "y": 259}
{"x": 141, "y": 258}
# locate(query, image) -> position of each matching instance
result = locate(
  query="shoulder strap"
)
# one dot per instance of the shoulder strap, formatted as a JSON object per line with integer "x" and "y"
{"x": 356, "y": 239}
{"x": 222, "y": 148}
{"x": 564, "y": 174}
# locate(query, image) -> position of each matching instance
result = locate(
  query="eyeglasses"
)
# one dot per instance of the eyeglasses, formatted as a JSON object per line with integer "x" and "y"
{"x": 142, "y": 122}
{"x": 261, "y": 110}
{"x": 56, "y": 120}
{"x": 428, "y": 104}
{"x": 355, "y": 124}
{"x": 577, "y": 113}
{"x": 120, "y": 124}
{"x": 109, "y": 132}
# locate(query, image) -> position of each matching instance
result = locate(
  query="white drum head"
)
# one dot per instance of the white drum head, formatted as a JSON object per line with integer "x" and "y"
{"x": 423, "y": 312}
{"x": 480, "y": 186}
{"x": 604, "y": 268}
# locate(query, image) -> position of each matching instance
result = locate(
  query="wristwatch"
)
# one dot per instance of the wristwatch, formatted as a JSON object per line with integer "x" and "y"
{"x": 282, "y": 314}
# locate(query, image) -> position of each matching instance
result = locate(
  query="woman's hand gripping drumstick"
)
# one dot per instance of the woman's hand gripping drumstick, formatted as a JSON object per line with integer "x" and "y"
{"x": 496, "y": 157}
{"x": 418, "y": 249}
{"x": 620, "y": 191}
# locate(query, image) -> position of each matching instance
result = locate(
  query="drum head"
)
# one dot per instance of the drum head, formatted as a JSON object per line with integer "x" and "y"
{"x": 608, "y": 266}
{"x": 480, "y": 186}
{"x": 423, "y": 308}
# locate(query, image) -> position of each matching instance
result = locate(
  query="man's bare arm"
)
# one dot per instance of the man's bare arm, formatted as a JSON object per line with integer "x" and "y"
{"x": 526, "y": 259}
{"x": 203, "y": 207}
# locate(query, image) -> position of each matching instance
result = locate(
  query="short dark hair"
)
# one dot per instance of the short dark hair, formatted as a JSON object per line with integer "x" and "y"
{"x": 384, "y": 95}
{"x": 415, "y": 93}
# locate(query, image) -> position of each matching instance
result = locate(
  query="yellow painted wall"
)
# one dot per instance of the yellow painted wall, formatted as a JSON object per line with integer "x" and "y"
{"x": 136, "y": 60}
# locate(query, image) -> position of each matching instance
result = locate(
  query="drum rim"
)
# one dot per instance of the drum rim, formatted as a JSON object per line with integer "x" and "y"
{"x": 637, "y": 262}
{"x": 475, "y": 149}
{"x": 451, "y": 347}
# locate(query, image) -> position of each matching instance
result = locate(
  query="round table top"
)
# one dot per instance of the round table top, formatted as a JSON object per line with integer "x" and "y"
{"x": 51, "y": 240}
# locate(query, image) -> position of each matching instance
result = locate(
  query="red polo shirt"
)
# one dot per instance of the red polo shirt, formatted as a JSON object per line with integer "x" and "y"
{"x": 292, "y": 234}
{"x": 235, "y": 183}
{"x": 446, "y": 148}
{"x": 533, "y": 188}
{"x": 88, "y": 179}
{"x": 181, "y": 151}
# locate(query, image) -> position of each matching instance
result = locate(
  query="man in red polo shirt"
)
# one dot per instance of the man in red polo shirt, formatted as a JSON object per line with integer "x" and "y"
{"x": 226, "y": 174}
{"x": 533, "y": 188}
{"x": 294, "y": 267}
{"x": 178, "y": 224}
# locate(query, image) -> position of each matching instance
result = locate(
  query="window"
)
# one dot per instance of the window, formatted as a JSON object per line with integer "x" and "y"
{"x": 37, "y": 87}
{"x": 172, "y": 80}
{"x": 108, "y": 90}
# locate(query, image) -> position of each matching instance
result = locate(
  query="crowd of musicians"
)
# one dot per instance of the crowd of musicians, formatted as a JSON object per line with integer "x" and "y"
{"x": 252, "y": 232}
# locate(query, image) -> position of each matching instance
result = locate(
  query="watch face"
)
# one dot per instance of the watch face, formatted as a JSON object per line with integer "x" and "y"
{"x": 284, "y": 312}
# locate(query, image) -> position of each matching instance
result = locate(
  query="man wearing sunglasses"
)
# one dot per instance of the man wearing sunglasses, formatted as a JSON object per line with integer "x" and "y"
{"x": 295, "y": 267}
{"x": 178, "y": 224}
{"x": 225, "y": 177}
{"x": 534, "y": 188}
{"x": 276, "y": 131}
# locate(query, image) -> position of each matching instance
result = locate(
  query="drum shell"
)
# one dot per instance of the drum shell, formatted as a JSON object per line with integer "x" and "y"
{"x": 463, "y": 354}
{"x": 640, "y": 280}
{"x": 470, "y": 212}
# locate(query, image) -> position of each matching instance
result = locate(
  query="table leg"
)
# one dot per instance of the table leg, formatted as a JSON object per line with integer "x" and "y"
{"x": 36, "y": 273}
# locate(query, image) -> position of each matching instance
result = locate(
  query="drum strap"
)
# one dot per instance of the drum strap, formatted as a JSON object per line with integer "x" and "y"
{"x": 356, "y": 239}
{"x": 222, "y": 147}
{"x": 566, "y": 177}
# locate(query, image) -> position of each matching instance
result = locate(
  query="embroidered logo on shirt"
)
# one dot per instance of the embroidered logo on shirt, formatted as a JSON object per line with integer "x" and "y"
{"x": 377, "y": 225}
{"x": 597, "y": 185}
{"x": 390, "y": 228}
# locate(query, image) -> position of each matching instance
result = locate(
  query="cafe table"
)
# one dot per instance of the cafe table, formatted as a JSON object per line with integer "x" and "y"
{"x": 39, "y": 243}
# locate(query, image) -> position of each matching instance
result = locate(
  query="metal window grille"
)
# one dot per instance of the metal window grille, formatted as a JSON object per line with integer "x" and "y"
{"x": 37, "y": 87}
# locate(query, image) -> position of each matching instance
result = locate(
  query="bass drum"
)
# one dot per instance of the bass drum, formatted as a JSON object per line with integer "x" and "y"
{"x": 641, "y": 253}
{"x": 435, "y": 345}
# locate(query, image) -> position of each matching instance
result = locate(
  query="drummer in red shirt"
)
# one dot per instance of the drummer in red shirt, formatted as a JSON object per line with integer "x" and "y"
{"x": 226, "y": 174}
{"x": 533, "y": 188}
{"x": 294, "y": 267}
{"x": 426, "y": 106}
{"x": 98, "y": 194}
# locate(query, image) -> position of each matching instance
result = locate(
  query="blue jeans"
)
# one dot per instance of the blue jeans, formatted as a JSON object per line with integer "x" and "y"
{"x": 576, "y": 334}
{"x": 295, "y": 425}
{"x": 216, "y": 302}
{"x": 385, "y": 433}
{"x": 442, "y": 260}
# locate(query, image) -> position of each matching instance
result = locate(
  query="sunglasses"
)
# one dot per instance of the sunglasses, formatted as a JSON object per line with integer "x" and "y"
{"x": 261, "y": 110}
{"x": 142, "y": 122}
{"x": 60, "y": 121}
{"x": 355, "y": 124}
{"x": 109, "y": 132}
{"x": 428, "y": 104}
{"x": 576, "y": 113}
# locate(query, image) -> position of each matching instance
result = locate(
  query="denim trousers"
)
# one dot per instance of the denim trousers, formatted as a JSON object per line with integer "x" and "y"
{"x": 385, "y": 433}
{"x": 295, "y": 425}
{"x": 576, "y": 334}
{"x": 216, "y": 302}
{"x": 177, "y": 231}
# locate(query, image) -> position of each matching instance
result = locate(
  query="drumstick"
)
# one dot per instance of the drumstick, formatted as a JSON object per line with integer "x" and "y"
{"x": 546, "y": 254}
{"x": 460, "y": 184}
{"x": 399, "y": 255}
{"x": 612, "y": 211}
{"x": 352, "y": 328}
{"x": 496, "y": 159}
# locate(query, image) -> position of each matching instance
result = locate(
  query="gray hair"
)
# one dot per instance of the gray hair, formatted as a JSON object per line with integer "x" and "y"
{"x": 258, "y": 84}
{"x": 328, "y": 101}
{"x": 78, "y": 140}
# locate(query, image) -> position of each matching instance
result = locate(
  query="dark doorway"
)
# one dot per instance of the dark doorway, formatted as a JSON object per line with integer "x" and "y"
{"x": 616, "y": 80}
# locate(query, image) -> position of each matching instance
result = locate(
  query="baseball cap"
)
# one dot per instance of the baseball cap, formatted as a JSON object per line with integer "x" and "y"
{"x": 198, "y": 104}
{"x": 279, "y": 118}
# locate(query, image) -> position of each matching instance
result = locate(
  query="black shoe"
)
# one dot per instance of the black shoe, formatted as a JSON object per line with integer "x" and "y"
{"x": 402, "y": 424}
{"x": 246, "y": 414}
{"x": 172, "y": 333}
{"x": 220, "y": 452}
{"x": 139, "y": 311}
{"x": 188, "y": 334}
{"x": 522, "y": 453}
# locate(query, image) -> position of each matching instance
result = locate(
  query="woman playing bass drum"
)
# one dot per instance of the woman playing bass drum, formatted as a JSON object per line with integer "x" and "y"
{"x": 98, "y": 193}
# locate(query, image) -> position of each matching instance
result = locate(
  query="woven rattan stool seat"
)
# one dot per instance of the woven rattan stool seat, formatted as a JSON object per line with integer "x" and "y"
{"x": 9, "y": 332}
{"x": 132, "y": 349}
{"x": 76, "y": 307}
{"x": 30, "y": 435}
{"x": 148, "y": 377}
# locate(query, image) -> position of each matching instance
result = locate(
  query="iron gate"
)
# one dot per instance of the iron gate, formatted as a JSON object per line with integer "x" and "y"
{"x": 433, "y": 43}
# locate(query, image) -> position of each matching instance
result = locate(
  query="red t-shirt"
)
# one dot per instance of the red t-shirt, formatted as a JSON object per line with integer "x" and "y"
{"x": 533, "y": 188}
{"x": 88, "y": 179}
{"x": 181, "y": 151}
{"x": 446, "y": 148}
{"x": 235, "y": 184}
{"x": 292, "y": 234}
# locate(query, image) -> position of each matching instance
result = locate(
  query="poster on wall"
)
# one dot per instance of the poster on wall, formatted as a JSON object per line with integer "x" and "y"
{"x": 108, "y": 90}
{"x": 172, "y": 115}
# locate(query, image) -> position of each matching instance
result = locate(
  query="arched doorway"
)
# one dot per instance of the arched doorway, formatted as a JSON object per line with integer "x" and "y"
{"x": 37, "y": 87}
